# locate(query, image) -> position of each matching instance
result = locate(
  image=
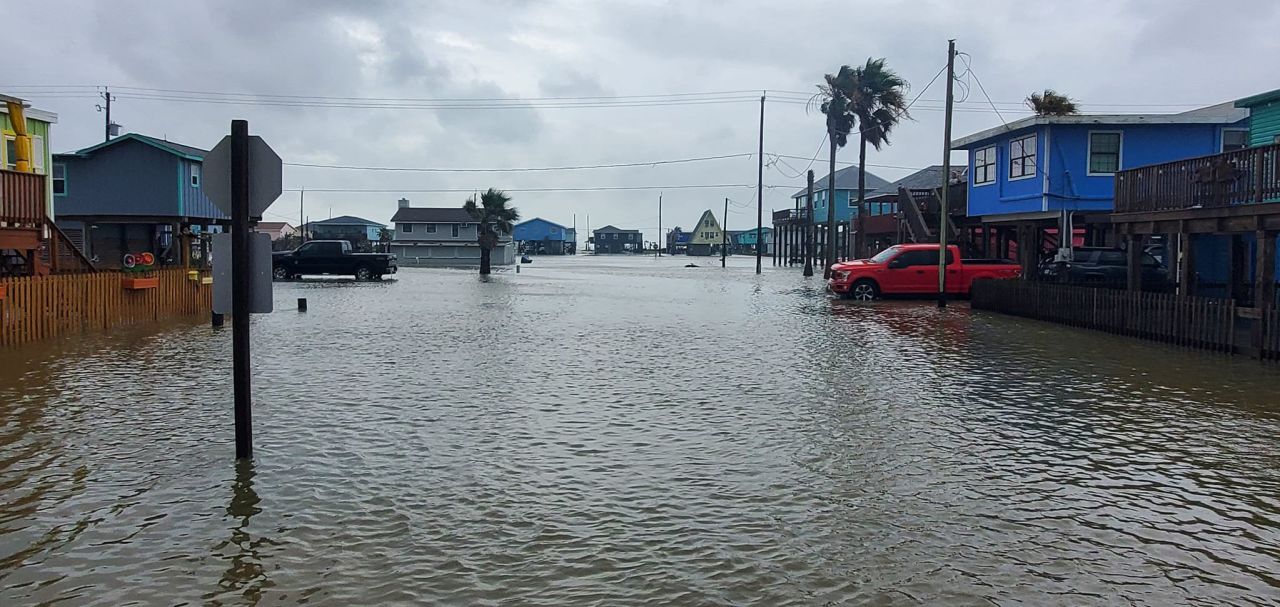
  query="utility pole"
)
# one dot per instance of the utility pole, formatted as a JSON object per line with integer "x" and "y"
{"x": 240, "y": 285}
{"x": 662, "y": 238}
{"x": 575, "y": 233}
{"x": 760, "y": 189}
{"x": 808, "y": 228}
{"x": 828, "y": 243}
{"x": 946, "y": 177}
{"x": 302, "y": 213}
{"x": 108, "y": 97}
{"x": 724, "y": 232}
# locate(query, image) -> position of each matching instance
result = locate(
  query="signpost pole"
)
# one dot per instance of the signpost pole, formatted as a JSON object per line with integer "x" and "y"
{"x": 240, "y": 286}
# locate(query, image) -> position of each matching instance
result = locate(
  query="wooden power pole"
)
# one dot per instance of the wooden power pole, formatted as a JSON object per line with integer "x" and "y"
{"x": 760, "y": 190}
{"x": 946, "y": 176}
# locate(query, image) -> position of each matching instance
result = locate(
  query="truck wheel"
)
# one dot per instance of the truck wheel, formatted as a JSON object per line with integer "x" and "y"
{"x": 864, "y": 290}
{"x": 364, "y": 273}
{"x": 280, "y": 273}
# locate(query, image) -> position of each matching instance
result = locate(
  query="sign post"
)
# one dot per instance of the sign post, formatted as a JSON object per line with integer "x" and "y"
{"x": 242, "y": 177}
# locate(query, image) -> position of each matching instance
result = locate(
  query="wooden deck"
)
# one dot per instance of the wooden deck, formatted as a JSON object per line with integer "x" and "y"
{"x": 1242, "y": 177}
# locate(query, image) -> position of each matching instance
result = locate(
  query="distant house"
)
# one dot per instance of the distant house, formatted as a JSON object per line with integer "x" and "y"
{"x": 1264, "y": 118}
{"x": 276, "y": 229}
{"x": 611, "y": 240}
{"x": 132, "y": 194}
{"x": 355, "y": 229}
{"x": 441, "y": 236}
{"x": 541, "y": 237}
{"x": 678, "y": 241}
{"x": 846, "y": 194}
{"x": 745, "y": 241}
{"x": 707, "y": 236}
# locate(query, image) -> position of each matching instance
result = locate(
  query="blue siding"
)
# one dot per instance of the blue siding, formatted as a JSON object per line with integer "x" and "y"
{"x": 843, "y": 210}
{"x": 1062, "y": 179}
{"x": 541, "y": 229}
{"x": 131, "y": 179}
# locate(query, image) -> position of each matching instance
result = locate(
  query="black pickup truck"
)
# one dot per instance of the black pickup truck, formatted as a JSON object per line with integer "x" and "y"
{"x": 331, "y": 257}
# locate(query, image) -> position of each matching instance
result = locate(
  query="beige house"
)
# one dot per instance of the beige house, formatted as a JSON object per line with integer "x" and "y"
{"x": 707, "y": 236}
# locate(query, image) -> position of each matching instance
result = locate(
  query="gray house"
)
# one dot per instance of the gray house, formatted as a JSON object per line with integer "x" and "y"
{"x": 611, "y": 240}
{"x": 435, "y": 236}
{"x": 132, "y": 194}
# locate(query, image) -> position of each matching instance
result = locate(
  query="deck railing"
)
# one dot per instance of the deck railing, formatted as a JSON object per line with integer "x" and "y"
{"x": 1248, "y": 176}
{"x": 21, "y": 199}
{"x": 790, "y": 215}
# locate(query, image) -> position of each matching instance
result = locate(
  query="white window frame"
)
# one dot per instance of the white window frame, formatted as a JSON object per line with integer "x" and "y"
{"x": 1035, "y": 156}
{"x": 454, "y": 231}
{"x": 993, "y": 175}
{"x": 1088, "y": 157}
{"x": 1222, "y": 146}
{"x": 406, "y": 228}
{"x": 195, "y": 175}
{"x": 9, "y": 163}
{"x": 54, "y": 179}
{"x": 430, "y": 229}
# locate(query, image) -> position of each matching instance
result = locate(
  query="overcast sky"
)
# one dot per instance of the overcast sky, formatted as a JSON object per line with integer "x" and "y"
{"x": 1113, "y": 56}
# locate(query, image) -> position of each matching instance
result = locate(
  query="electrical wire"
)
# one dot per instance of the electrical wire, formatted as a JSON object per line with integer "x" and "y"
{"x": 527, "y": 190}
{"x": 518, "y": 169}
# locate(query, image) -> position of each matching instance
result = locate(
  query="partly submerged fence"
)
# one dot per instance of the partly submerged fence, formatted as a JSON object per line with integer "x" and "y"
{"x": 1195, "y": 322}
{"x": 35, "y": 308}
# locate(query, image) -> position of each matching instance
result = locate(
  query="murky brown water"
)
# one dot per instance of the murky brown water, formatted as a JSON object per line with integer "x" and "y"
{"x": 630, "y": 432}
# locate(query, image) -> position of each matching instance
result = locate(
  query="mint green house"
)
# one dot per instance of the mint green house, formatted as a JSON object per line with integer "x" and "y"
{"x": 1264, "y": 117}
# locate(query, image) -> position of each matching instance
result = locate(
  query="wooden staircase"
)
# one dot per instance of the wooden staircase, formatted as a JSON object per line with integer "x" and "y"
{"x": 30, "y": 243}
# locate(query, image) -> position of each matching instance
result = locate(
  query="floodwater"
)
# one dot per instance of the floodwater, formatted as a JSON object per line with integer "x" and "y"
{"x": 628, "y": 431}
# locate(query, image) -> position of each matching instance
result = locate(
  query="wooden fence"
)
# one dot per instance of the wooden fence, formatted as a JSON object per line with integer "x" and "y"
{"x": 36, "y": 308}
{"x": 1193, "y": 322}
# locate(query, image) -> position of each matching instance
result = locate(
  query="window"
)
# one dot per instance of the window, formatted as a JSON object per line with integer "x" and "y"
{"x": 1234, "y": 139}
{"x": 195, "y": 175}
{"x": 407, "y": 228}
{"x": 37, "y": 154}
{"x": 454, "y": 231}
{"x": 431, "y": 228}
{"x": 615, "y": 235}
{"x": 59, "y": 179}
{"x": 920, "y": 258}
{"x": 466, "y": 225}
{"x": 1104, "y": 153}
{"x": 10, "y": 153}
{"x": 1022, "y": 157}
{"x": 984, "y": 166}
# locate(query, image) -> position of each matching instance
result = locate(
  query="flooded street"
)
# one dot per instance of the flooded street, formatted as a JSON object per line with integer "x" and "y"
{"x": 628, "y": 431}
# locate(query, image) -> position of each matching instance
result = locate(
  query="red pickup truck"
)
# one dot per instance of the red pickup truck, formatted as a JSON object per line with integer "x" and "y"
{"x": 912, "y": 269}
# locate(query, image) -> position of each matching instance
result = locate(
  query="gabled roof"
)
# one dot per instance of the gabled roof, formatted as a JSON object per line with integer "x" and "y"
{"x": 1259, "y": 99}
{"x": 347, "y": 220}
{"x": 432, "y": 215}
{"x": 30, "y": 112}
{"x": 610, "y": 229}
{"x": 1223, "y": 113}
{"x": 548, "y": 222}
{"x": 273, "y": 225}
{"x": 177, "y": 149}
{"x": 847, "y": 179}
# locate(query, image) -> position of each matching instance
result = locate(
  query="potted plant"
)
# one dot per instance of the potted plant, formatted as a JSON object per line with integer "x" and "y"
{"x": 137, "y": 272}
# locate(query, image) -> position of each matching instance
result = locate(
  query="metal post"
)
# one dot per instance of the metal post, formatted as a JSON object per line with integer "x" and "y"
{"x": 302, "y": 303}
{"x": 302, "y": 213}
{"x": 724, "y": 233}
{"x": 946, "y": 177}
{"x": 658, "y": 253}
{"x": 760, "y": 189}
{"x": 240, "y": 287}
{"x": 808, "y": 229}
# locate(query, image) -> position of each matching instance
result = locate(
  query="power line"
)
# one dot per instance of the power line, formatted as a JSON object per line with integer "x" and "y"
{"x": 968, "y": 66}
{"x": 527, "y": 190}
{"x": 519, "y": 169}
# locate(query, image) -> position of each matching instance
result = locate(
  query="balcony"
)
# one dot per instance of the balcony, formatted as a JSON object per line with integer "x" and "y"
{"x": 21, "y": 200}
{"x": 1242, "y": 177}
{"x": 791, "y": 216}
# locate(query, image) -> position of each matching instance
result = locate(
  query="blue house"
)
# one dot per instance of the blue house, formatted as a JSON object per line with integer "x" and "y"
{"x": 132, "y": 194}
{"x": 539, "y": 236}
{"x": 745, "y": 240}
{"x": 1042, "y": 172}
{"x": 846, "y": 194}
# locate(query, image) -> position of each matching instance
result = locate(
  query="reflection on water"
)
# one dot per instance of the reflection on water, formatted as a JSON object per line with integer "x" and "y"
{"x": 627, "y": 431}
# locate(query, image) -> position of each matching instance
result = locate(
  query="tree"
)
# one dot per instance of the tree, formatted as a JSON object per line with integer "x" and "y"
{"x": 833, "y": 101}
{"x": 878, "y": 97}
{"x": 493, "y": 218}
{"x": 384, "y": 238}
{"x": 1052, "y": 103}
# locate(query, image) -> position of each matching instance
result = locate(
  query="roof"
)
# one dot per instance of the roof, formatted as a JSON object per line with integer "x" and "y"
{"x": 29, "y": 111}
{"x": 273, "y": 225}
{"x": 177, "y": 149}
{"x": 548, "y": 222}
{"x": 924, "y": 179}
{"x": 1259, "y": 99}
{"x": 846, "y": 179}
{"x": 1223, "y": 113}
{"x": 432, "y": 215}
{"x": 346, "y": 220}
{"x": 610, "y": 229}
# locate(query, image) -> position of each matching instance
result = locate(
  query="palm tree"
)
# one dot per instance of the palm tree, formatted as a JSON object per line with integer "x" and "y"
{"x": 1052, "y": 103}
{"x": 493, "y": 218}
{"x": 833, "y": 101}
{"x": 878, "y": 97}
